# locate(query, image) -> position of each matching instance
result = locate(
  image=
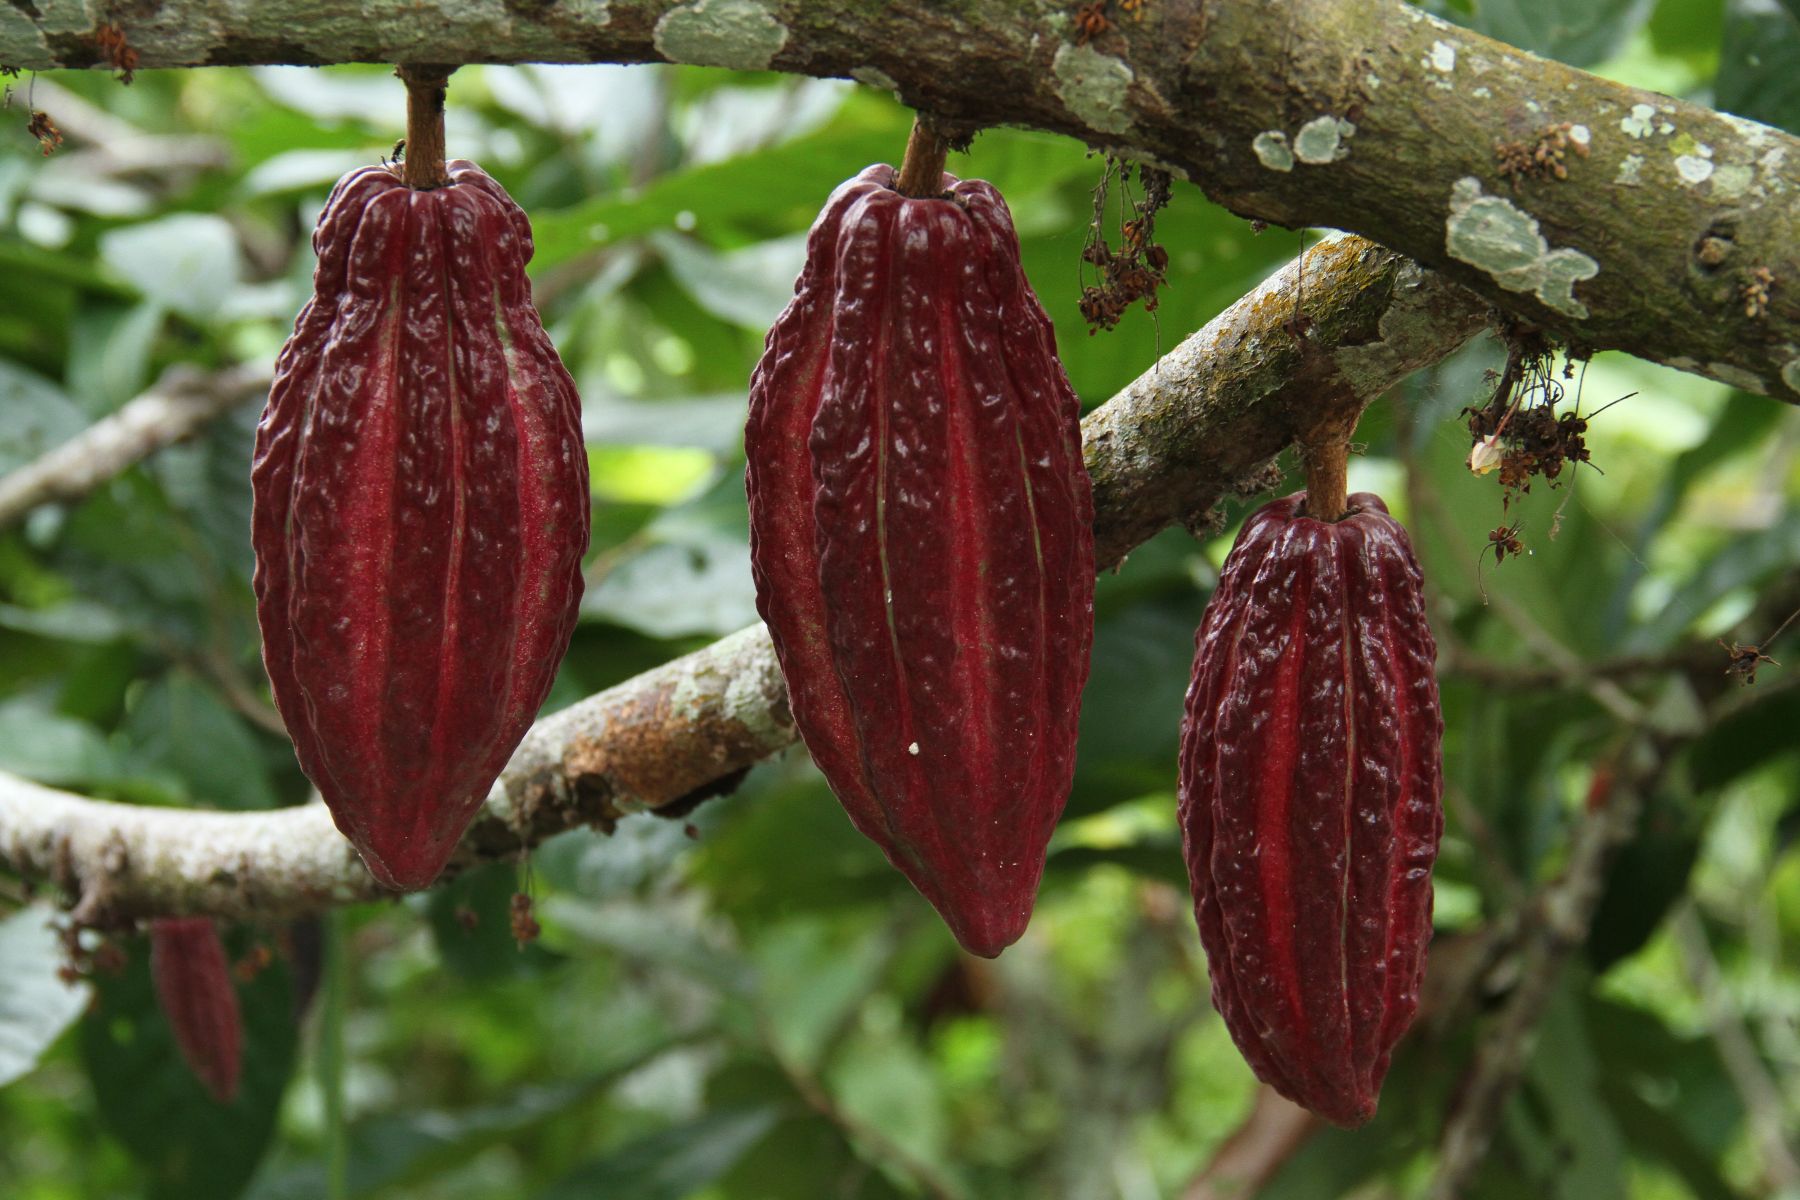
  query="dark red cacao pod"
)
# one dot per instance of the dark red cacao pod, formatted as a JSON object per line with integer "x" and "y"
{"x": 199, "y": 1000}
{"x": 921, "y": 537}
{"x": 421, "y": 509}
{"x": 1310, "y": 798}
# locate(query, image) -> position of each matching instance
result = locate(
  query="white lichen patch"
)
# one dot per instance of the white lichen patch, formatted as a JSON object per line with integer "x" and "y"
{"x": 1692, "y": 168}
{"x": 1372, "y": 81}
{"x": 1092, "y": 85}
{"x": 1272, "y": 150}
{"x": 1790, "y": 373}
{"x": 1774, "y": 182}
{"x": 1754, "y": 133}
{"x": 1495, "y": 236}
{"x": 1629, "y": 166}
{"x": 1481, "y": 93}
{"x": 1638, "y": 122}
{"x": 1732, "y": 180}
{"x": 741, "y": 34}
{"x": 1321, "y": 140}
{"x": 1737, "y": 377}
{"x": 875, "y": 77}
{"x": 1442, "y": 58}
{"x": 1581, "y": 135}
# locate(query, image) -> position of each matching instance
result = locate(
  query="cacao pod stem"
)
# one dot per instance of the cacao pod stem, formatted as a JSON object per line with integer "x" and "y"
{"x": 1327, "y": 455}
{"x": 922, "y": 170}
{"x": 423, "y": 168}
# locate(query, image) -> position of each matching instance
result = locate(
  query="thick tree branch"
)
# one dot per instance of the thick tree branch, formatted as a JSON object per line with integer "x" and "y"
{"x": 1616, "y": 217}
{"x": 1203, "y": 421}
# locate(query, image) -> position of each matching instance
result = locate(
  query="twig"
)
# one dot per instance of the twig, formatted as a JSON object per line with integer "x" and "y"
{"x": 1769, "y": 1121}
{"x": 808, "y": 1087}
{"x": 1453, "y": 659}
{"x": 1256, "y": 1149}
{"x": 182, "y": 401}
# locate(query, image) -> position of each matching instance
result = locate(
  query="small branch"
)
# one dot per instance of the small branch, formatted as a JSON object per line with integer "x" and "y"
{"x": 922, "y": 170}
{"x": 182, "y": 401}
{"x": 1453, "y": 659}
{"x": 1762, "y": 1099}
{"x": 1554, "y": 928}
{"x": 423, "y": 167}
{"x": 1203, "y": 422}
{"x": 1270, "y": 1135}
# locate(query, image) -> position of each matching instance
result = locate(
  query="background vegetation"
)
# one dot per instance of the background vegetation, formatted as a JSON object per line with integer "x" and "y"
{"x": 747, "y": 1002}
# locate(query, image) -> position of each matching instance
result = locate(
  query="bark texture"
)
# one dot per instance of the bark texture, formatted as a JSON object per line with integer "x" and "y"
{"x": 1644, "y": 226}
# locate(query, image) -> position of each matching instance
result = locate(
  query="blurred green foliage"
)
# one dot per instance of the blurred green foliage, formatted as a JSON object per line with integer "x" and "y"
{"x": 748, "y": 1002}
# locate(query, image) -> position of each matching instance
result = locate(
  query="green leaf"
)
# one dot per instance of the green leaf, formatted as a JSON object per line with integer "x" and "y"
{"x": 649, "y": 935}
{"x": 815, "y": 971}
{"x": 693, "y": 578}
{"x": 1565, "y": 1078}
{"x": 1759, "y": 64}
{"x": 41, "y": 744}
{"x": 190, "y": 1146}
{"x": 1647, "y": 876}
{"x": 747, "y": 287}
{"x": 35, "y": 416}
{"x": 109, "y": 352}
{"x": 671, "y": 1164}
{"x": 1578, "y": 32}
{"x": 187, "y": 262}
{"x": 1744, "y": 562}
{"x": 1752, "y": 734}
{"x": 180, "y": 727}
{"x": 779, "y": 189}
{"x": 36, "y": 1003}
{"x": 1131, "y": 708}
{"x": 1682, "y": 1076}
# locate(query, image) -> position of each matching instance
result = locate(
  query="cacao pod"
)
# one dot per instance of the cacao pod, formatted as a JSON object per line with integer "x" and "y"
{"x": 421, "y": 509}
{"x": 199, "y": 1000}
{"x": 920, "y": 532}
{"x": 1310, "y": 798}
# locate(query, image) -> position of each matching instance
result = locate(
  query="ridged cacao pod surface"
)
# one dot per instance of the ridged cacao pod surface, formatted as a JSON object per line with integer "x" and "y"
{"x": 920, "y": 530}
{"x": 421, "y": 509}
{"x": 199, "y": 1000}
{"x": 1310, "y": 798}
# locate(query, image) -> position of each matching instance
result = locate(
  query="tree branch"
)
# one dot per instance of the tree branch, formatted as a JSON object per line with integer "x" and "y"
{"x": 1644, "y": 225}
{"x": 1205, "y": 420}
{"x": 182, "y": 401}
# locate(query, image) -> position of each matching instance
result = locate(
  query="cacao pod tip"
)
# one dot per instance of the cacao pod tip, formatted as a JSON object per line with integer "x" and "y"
{"x": 409, "y": 866}
{"x": 983, "y": 934}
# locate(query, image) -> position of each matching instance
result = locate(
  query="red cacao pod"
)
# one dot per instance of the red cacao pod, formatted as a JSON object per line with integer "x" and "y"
{"x": 1310, "y": 798}
{"x": 920, "y": 532}
{"x": 199, "y": 1000}
{"x": 421, "y": 509}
